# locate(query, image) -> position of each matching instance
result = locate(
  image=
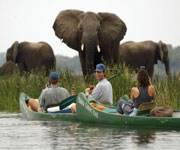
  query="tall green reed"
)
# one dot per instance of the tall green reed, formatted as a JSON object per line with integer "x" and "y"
{"x": 167, "y": 89}
{"x": 32, "y": 84}
{"x": 11, "y": 86}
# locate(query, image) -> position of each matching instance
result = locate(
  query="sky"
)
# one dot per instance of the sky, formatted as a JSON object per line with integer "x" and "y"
{"x": 32, "y": 20}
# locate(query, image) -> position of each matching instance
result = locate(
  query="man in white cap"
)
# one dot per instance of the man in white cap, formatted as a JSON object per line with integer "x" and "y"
{"x": 51, "y": 95}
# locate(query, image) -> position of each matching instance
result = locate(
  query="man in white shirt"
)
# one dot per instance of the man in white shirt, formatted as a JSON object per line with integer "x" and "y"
{"x": 102, "y": 92}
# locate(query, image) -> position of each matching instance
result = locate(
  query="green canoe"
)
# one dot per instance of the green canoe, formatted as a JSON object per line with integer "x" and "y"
{"x": 32, "y": 115}
{"x": 89, "y": 114}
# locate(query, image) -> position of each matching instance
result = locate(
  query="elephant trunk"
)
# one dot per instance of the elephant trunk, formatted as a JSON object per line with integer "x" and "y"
{"x": 90, "y": 46}
{"x": 167, "y": 67}
{"x": 89, "y": 58}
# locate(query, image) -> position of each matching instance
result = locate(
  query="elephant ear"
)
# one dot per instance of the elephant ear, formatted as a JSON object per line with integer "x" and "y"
{"x": 14, "y": 50}
{"x": 66, "y": 25}
{"x": 161, "y": 52}
{"x": 112, "y": 28}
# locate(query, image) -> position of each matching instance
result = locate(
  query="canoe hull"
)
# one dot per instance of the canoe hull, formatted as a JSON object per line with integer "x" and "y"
{"x": 32, "y": 115}
{"x": 87, "y": 113}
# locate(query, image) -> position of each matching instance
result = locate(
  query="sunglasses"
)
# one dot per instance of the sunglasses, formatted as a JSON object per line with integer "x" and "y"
{"x": 143, "y": 67}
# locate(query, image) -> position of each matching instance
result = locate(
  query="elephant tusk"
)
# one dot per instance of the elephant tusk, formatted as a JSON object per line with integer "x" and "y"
{"x": 82, "y": 47}
{"x": 98, "y": 48}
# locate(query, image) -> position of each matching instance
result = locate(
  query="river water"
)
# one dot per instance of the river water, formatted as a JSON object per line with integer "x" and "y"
{"x": 19, "y": 134}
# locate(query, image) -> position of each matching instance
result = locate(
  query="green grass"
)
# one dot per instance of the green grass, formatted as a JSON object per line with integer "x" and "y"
{"x": 167, "y": 90}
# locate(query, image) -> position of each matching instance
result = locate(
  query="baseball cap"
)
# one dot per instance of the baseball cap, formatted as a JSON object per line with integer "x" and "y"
{"x": 100, "y": 67}
{"x": 53, "y": 76}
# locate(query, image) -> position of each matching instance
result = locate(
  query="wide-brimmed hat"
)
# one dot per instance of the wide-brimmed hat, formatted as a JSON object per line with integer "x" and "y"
{"x": 100, "y": 68}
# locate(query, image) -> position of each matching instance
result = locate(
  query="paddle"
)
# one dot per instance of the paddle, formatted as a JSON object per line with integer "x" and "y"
{"x": 66, "y": 102}
{"x": 114, "y": 76}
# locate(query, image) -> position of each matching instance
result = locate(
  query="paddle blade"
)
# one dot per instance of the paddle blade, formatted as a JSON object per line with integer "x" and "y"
{"x": 66, "y": 102}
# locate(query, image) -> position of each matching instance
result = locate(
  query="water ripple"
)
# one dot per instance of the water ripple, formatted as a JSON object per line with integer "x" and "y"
{"x": 19, "y": 134}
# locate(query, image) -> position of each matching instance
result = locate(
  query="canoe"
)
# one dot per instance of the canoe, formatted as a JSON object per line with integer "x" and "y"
{"x": 32, "y": 115}
{"x": 89, "y": 114}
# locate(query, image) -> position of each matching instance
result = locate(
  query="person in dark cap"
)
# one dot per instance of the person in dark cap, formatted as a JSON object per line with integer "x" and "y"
{"x": 50, "y": 96}
{"x": 102, "y": 92}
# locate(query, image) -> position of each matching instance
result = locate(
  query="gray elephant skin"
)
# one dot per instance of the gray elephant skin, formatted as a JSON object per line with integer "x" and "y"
{"x": 9, "y": 68}
{"x": 95, "y": 36}
{"x": 32, "y": 56}
{"x": 146, "y": 53}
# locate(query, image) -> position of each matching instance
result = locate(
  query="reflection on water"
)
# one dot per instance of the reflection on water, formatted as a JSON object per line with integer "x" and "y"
{"x": 20, "y": 134}
{"x": 144, "y": 137}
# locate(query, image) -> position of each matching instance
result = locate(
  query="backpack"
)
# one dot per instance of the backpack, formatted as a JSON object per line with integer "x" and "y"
{"x": 162, "y": 111}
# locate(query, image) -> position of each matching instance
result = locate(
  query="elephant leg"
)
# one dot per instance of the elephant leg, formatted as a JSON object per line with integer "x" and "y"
{"x": 115, "y": 52}
{"x": 21, "y": 68}
{"x": 150, "y": 70}
{"x": 45, "y": 67}
{"x": 111, "y": 54}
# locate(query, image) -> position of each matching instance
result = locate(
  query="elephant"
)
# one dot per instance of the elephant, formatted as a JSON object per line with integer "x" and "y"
{"x": 32, "y": 56}
{"x": 96, "y": 36}
{"x": 9, "y": 68}
{"x": 145, "y": 53}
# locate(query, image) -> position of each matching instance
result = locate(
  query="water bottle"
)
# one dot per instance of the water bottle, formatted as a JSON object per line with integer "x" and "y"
{"x": 133, "y": 113}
